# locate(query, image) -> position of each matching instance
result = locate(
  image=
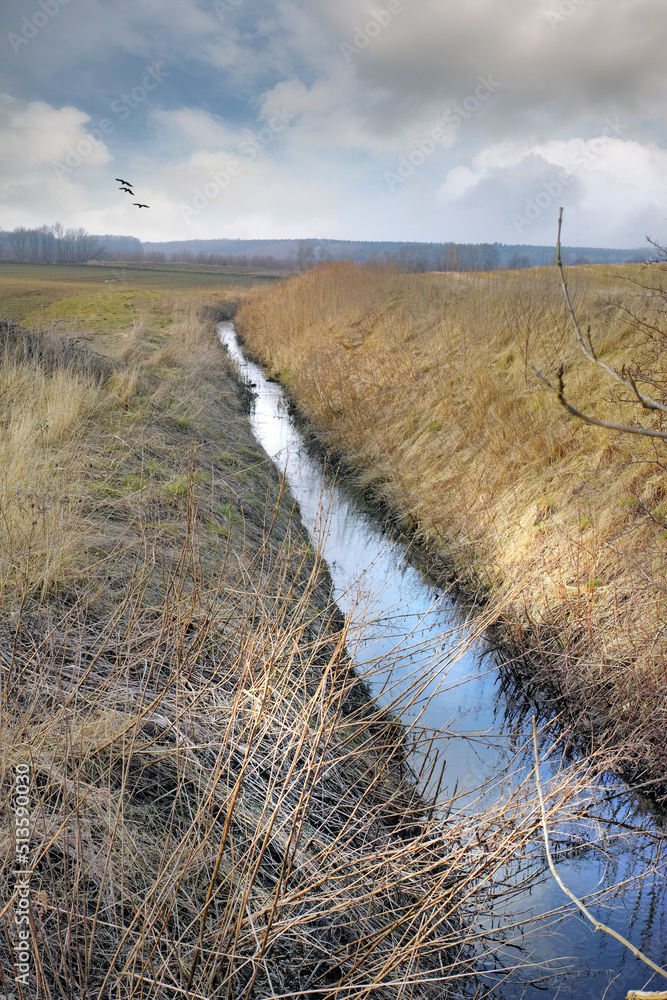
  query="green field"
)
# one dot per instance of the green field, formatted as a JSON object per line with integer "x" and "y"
{"x": 40, "y": 294}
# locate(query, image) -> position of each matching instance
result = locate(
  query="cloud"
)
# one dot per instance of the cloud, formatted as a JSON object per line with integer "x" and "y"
{"x": 101, "y": 30}
{"x": 221, "y": 191}
{"x": 196, "y": 129}
{"x": 35, "y": 139}
{"x": 608, "y": 185}
{"x": 327, "y": 116}
{"x": 605, "y": 57}
{"x": 364, "y": 84}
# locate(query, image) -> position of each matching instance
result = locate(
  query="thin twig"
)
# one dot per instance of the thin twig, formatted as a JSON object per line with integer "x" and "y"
{"x": 625, "y": 428}
{"x": 596, "y": 923}
{"x": 647, "y": 402}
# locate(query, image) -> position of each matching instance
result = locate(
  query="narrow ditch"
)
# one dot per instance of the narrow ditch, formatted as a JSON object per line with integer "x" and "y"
{"x": 411, "y": 637}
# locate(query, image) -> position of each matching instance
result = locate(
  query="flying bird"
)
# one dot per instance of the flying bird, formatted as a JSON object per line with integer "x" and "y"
{"x": 126, "y": 183}
{"x": 139, "y": 205}
{"x": 128, "y": 190}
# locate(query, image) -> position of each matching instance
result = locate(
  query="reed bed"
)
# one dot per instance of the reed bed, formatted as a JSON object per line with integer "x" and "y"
{"x": 218, "y": 807}
{"x": 424, "y": 385}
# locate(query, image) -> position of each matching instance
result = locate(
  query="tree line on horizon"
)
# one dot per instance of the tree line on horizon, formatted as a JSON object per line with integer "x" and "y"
{"x": 56, "y": 244}
{"x": 52, "y": 245}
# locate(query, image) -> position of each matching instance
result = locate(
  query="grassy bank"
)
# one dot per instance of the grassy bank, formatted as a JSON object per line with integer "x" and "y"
{"x": 424, "y": 384}
{"x": 218, "y": 808}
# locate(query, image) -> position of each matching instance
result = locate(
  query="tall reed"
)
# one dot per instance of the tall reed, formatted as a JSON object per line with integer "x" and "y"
{"x": 424, "y": 384}
{"x": 218, "y": 807}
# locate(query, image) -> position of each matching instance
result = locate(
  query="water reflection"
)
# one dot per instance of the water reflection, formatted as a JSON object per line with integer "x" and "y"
{"x": 406, "y": 629}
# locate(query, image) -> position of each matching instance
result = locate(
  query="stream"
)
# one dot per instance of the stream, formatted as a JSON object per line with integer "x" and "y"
{"x": 410, "y": 639}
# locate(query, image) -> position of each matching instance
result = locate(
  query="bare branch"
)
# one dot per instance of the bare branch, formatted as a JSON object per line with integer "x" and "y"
{"x": 646, "y": 401}
{"x": 625, "y": 428}
{"x": 586, "y": 912}
{"x": 643, "y": 324}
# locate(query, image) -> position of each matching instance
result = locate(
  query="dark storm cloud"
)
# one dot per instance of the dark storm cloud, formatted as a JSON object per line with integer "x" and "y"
{"x": 559, "y": 61}
{"x": 474, "y": 105}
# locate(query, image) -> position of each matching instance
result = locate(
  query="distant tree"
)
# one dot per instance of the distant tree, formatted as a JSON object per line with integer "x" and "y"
{"x": 54, "y": 243}
{"x": 518, "y": 261}
{"x": 18, "y": 241}
{"x": 33, "y": 239}
{"x": 450, "y": 257}
{"x": 489, "y": 259}
{"x": 85, "y": 246}
{"x": 58, "y": 231}
{"x": 470, "y": 257}
{"x": 47, "y": 241}
{"x": 323, "y": 255}
{"x": 305, "y": 256}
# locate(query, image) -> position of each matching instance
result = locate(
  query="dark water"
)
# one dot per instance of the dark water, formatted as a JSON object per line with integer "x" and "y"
{"x": 413, "y": 640}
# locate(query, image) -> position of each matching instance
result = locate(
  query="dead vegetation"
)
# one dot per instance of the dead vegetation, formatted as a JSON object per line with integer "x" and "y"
{"x": 424, "y": 384}
{"x": 218, "y": 807}
{"x": 219, "y": 810}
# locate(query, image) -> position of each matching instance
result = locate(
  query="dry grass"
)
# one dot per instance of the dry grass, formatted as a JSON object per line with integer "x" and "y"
{"x": 423, "y": 384}
{"x": 218, "y": 807}
{"x": 46, "y": 402}
{"x": 220, "y": 811}
{"x": 100, "y": 431}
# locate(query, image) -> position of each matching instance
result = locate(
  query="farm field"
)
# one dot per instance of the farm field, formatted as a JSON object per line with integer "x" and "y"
{"x": 97, "y": 294}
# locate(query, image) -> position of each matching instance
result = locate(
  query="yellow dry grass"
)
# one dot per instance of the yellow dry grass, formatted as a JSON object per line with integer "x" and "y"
{"x": 43, "y": 416}
{"x": 71, "y": 397}
{"x": 218, "y": 808}
{"x": 423, "y": 383}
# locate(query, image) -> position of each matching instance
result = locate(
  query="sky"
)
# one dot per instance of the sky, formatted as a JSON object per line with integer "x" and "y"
{"x": 425, "y": 120}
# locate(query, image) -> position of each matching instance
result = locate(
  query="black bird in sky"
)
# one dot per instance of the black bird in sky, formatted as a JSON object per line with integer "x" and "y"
{"x": 128, "y": 190}
{"x": 126, "y": 183}
{"x": 139, "y": 205}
